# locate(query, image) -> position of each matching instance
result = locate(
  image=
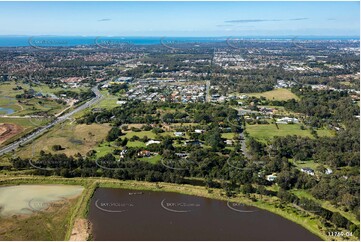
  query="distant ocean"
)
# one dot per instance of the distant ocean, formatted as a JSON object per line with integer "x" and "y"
{"x": 65, "y": 41}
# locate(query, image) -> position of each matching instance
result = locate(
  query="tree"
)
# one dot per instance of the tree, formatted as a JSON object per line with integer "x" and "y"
{"x": 167, "y": 144}
{"x": 57, "y": 147}
{"x": 247, "y": 189}
{"x": 286, "y": 179}
{"x": 214, "y": 139}
{"x": 113, "y": 134}
{"x": 339, "y": 220}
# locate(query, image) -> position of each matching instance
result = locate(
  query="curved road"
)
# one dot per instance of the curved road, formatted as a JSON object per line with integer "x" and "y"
{"x": 58, "y": 120}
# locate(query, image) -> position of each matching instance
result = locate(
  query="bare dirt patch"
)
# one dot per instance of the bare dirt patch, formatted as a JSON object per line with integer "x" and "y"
{"x": 9, "y": 130}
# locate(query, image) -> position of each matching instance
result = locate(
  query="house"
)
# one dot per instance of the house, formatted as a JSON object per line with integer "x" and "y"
{"x": 122, "y": 153}
{"x": 123, "y": 79}
{"x": 308, "y": 171}
{"x": 229, "y": 142}
{"x": 243, "y": 97}
{"x": 271, "y": 177}
{"x": 144, "y": 153}
{"x": 193, "y": 142}
{"x": 287, "y": 120}
{"x": 152, "y": 142}
{"x": 182, "y": 155}
{"x": 39, "y": 95}
{"x": 178, "y": 134}
{"x": 121, "y": 102}
{"x": 266, "y": 110}
{"x": 328, "y": 171}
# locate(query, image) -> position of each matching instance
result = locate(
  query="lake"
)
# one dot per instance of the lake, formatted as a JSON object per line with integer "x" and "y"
{"x": 120, "y": 214}
{"x": 7, "y": 111}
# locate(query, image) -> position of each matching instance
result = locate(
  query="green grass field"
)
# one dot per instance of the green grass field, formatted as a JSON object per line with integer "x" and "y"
{"x": 140, "y": 134}
{"x": 33, "y": 106}
{"x": 276, "y": 94}
{"x": 302, "y": 164}
{"x": 24, "y": 122}
{"x": 266, "y": 132}
{"x": 136, "y": 144}
{"x": 103, "y": 149}
{"x": 153, "y": 159}
{"x": 228, "y": 135}
{"x": 108, "y": 101}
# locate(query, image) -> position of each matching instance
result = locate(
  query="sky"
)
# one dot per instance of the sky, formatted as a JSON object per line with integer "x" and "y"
{"x": 185, "y": 19}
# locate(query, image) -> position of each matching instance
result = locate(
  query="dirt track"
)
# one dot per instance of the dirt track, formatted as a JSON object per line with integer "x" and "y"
{"x": 9, "y": 130}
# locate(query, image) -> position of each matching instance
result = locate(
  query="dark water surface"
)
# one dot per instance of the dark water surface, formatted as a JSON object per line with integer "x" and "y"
{"x": 119, "y": 214}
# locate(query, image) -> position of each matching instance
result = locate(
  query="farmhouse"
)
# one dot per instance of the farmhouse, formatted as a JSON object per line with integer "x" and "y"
{"x": 328, "y": 171}
{"x": 182, "y": 155}
{"x": 192, "y": 142}
{"x": 152, "y": 142}
{"x": 308, "y": 171}
{"x": 178, "y": 134}
{"x": 121, "y": 102}
{"x": 287, "y": 120}
{"x": 271, "y": 177}
{"x": 144, "y": 153}
{"x": 228, "y": 142}
{"x": 122, "y": 153}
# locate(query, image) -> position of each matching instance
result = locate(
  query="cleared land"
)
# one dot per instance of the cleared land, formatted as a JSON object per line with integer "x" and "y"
{"x": 72, "y": 138}
{"x": 276, "y": 94}
{"x": 310, "y": 163}
{"x": 26, "y": 125}
{"x": 9, "y": 130}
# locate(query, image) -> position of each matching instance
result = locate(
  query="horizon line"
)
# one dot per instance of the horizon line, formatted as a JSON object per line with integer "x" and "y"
{"x": 174, "y": 36}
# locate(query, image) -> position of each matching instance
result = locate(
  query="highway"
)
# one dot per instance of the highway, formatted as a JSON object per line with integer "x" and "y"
{"x": 60, "y": 119}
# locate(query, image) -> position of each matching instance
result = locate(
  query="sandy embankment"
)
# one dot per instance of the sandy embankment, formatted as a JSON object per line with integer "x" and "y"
{"x": 81, "y": 230}
{"x": 9, "y": 130}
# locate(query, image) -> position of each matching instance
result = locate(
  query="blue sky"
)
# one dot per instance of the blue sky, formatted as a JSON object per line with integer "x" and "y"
{"x": 180, "y": 18}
